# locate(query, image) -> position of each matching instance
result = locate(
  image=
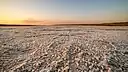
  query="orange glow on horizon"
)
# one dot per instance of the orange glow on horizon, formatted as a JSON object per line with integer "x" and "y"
{"x": 44, "y": 22}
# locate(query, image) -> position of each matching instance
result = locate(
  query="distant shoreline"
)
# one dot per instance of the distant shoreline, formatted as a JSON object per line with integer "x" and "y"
{"x": 102, "y": 24}
{"x": 15, "y": 25}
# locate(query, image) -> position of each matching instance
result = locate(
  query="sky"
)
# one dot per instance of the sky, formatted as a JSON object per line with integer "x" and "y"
{"x": 62, "y": 11}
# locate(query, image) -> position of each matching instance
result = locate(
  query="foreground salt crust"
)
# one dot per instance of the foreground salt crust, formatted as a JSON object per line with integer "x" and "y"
{"x": 64, "y": 49}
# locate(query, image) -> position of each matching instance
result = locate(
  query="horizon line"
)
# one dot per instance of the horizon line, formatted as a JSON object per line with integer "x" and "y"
{"x": 83, "y": 24}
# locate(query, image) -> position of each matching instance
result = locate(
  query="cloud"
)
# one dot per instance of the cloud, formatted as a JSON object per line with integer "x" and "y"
{"x": 32, "y": 21}
{"x": 37, "y": 22}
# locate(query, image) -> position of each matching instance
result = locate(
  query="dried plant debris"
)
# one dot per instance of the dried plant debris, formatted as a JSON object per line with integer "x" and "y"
{"x": 64, "y": 49}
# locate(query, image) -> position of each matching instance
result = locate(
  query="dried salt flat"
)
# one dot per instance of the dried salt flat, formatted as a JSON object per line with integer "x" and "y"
{"x": 64, "y": 49}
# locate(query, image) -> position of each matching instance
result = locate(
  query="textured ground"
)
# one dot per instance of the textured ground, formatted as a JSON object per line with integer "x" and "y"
{"x": 64, "y": 49}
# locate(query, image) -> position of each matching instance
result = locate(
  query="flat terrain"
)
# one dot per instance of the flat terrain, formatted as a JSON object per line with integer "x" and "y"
{"x": 64, "y": 49}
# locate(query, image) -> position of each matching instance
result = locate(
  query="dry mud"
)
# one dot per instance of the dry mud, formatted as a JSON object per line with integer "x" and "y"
{"x": 64, "y": 49}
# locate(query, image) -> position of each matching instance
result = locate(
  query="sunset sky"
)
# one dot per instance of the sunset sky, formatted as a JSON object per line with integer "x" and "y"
{"x": 62, "y": 11}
